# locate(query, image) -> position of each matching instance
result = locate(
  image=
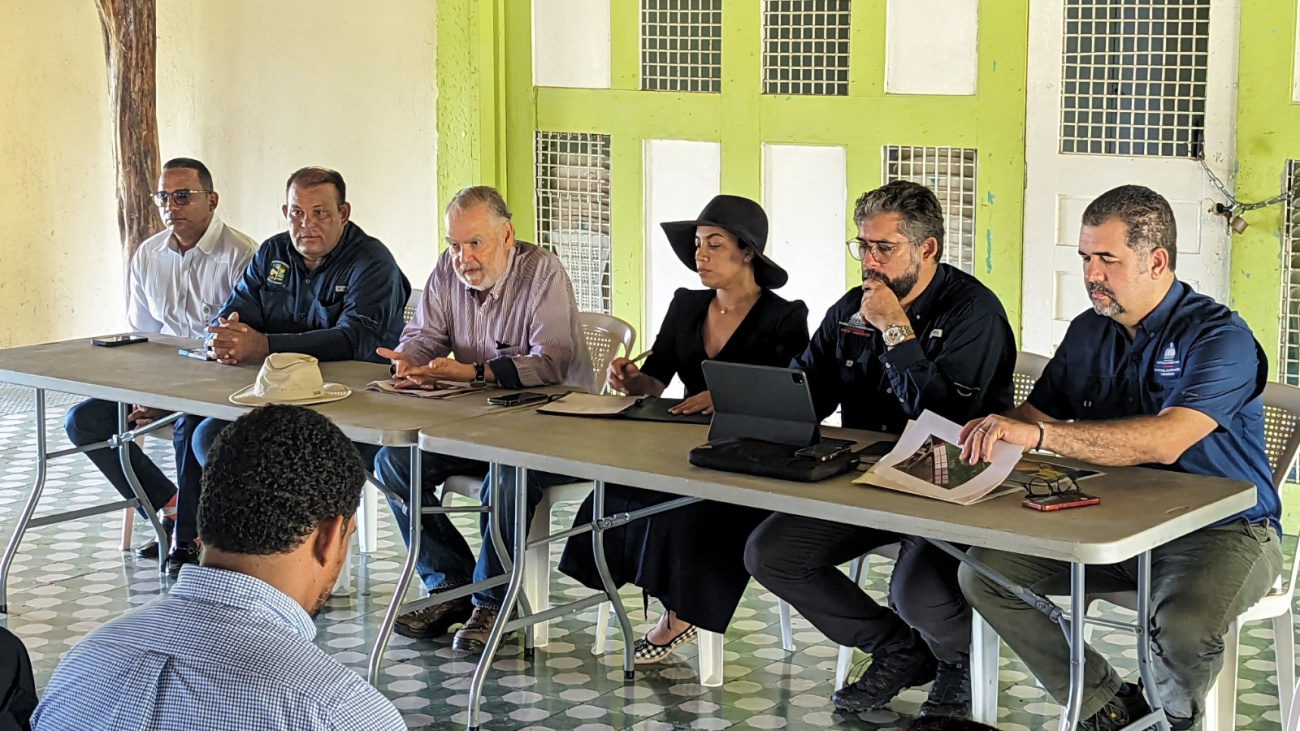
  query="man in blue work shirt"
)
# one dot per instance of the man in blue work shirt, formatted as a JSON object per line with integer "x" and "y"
{"x": 324, "y": 288}
{"x": 917, "y": 335}
{"x": 1156, "y": 375}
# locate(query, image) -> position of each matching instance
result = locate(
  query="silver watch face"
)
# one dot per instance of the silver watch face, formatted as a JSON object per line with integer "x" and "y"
{"x": 894, "y": 335}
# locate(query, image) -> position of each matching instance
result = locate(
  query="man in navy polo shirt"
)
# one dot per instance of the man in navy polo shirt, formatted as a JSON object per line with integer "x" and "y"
{"x": 325, "y": 288}
{"x": 1156, "y": 375}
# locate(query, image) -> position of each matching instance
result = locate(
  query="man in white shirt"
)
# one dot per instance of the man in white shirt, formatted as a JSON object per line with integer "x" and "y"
{"x": 230, "y": 646}
{"x": 179, "y": 279}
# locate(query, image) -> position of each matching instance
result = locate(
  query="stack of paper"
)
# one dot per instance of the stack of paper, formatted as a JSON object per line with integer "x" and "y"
{"x": 442, "y": 389}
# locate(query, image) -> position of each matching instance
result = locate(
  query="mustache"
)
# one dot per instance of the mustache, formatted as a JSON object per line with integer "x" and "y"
{"x": 1099, "y": 288}
{"x": 872, "y": 275}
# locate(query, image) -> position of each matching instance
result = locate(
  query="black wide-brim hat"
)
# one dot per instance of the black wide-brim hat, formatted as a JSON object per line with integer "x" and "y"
{"x": 742, "y": 217}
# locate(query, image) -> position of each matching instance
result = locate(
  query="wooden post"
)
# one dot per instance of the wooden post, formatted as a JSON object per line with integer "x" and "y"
{"x": 130, "y": 49}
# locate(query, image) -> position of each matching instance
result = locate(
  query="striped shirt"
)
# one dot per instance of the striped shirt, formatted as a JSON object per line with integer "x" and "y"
{"x": 526, "y": 329}
{"x": 222, "y": 651}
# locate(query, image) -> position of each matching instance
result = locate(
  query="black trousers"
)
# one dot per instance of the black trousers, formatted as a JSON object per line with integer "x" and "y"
{"x": 17, "y": 686}
{"x": 798, "y": 558}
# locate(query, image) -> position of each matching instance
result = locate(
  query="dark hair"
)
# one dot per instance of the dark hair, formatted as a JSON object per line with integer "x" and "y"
{"x": 479, "y": 194}
{"x": 312, "y": 176}
{"x": 916, "y": 204}
{"x": 947, "y": 723}
{"x": 272, "y": 477}
{"x": 1145, "y": 213}
{"x": 189, "y": 163}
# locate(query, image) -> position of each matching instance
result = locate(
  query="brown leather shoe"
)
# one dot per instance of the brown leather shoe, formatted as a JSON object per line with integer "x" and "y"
{"x": 434, "y": 621}
{"x": 473, "y": 636}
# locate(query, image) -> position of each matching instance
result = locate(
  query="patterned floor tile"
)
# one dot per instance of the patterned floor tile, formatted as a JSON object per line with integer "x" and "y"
{"x": 71, "y": 578}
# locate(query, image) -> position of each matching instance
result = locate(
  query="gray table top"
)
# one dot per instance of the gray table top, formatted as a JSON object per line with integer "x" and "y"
{"x": 153, "y": 374}
{"x": 1140, "y": 508}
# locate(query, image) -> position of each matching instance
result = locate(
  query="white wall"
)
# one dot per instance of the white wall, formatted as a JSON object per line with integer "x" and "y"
{"x": 931, "y": 46}
{"x": 60, "y": 260}
{"x": 259, "y": 89}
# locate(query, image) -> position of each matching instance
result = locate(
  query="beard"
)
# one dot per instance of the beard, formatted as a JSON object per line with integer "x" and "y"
{"x": 900, "y": 286}
{"x": 463, "y": 276}
{"x": 1110, "y": 307}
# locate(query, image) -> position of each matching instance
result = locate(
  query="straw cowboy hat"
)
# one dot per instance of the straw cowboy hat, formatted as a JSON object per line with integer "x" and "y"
{"x": 742, "y": 217}
{"x": 290, "y": 378}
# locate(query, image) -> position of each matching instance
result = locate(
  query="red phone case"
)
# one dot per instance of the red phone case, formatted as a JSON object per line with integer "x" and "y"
{"x": 1061, "y": 502}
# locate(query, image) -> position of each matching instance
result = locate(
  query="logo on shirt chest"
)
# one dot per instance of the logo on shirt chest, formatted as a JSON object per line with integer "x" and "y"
{"x": 279, "y": 270}
{"x": 1168, "y": 365}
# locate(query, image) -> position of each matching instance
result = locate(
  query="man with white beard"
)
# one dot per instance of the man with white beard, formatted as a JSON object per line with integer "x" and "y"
{"x": 506, "y": 310}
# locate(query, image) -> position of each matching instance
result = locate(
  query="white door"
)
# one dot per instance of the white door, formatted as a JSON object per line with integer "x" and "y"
{"x": 1119, "y": 93}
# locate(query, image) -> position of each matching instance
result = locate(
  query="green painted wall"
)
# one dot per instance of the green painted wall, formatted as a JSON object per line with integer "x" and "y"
{"x": 495, "y": 78}
{"x": 1268, "y": 134}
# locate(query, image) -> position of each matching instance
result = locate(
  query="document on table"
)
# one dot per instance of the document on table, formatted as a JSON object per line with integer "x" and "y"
{"x": 585, "y": 404}
{"x": 442, "y": 389}
{"x": 927, "y": 462}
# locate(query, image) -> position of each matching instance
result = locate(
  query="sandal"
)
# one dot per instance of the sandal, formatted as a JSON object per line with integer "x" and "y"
{"x": 645, "y": 652}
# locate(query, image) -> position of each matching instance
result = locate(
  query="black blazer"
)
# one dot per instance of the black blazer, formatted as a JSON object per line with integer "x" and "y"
{"x": 774, "y": 332}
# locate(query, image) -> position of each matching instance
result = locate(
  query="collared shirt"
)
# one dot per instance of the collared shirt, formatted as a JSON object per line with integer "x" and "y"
{"x": 222, "y": 650}
{"x": 352, "y": 302}
{"x": 176, "y": 293}
{"x": 1189, "y": 352}
{"x": 959, "y": 365}
{"x": 526, "y": 329}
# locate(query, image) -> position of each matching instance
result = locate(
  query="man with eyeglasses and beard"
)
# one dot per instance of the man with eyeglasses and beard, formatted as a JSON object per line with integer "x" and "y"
{"x": 918, "y": 334}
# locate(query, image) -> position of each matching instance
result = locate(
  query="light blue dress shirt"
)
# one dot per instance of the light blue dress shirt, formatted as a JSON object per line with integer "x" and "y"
{"x": 222, "y": 650}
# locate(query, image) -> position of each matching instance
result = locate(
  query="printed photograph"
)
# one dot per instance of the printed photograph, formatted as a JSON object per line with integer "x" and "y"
{"x": 939, "y": 463}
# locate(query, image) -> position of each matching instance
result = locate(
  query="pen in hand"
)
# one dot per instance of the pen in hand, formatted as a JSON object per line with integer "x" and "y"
{"x": 638, "y": 359}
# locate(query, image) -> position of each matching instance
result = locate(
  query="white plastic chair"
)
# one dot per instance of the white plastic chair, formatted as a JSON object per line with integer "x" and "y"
{"x": 1293, "y": 720}
{"x": 604, "y": 334}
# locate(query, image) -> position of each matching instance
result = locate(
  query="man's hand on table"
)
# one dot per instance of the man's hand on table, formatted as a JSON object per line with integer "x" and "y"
{"x": 232, "y": 342}
{"x": 407, "y": 373}
{"x": 979, "y": 435}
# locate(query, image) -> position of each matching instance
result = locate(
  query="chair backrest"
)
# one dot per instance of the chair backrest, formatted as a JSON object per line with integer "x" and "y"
{"x": 1281, "y": 443}
{"x": 1029, "y": 368}
{"x": 604, "y": 335}
{"x": 412, "y": 303}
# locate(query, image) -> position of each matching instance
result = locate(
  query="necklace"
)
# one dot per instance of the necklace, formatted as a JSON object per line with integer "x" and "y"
{"x": 724, "y": 310}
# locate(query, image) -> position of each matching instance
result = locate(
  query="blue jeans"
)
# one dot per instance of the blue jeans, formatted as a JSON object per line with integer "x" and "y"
{"x": 96, "y": 420}
{"x": 187, "y": 508}
{"x": 445, "y": 560}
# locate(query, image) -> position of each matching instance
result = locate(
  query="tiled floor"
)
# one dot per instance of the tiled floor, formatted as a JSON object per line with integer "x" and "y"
{"x": 71, "y": 578}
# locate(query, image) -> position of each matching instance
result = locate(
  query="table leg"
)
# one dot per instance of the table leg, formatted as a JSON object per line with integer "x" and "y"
{"x": 413, "y": 514}
{"x": 124, "y": 459}
{"x": 20, "y": 527}
{"x": 607, "y": 581}
{"x": 512, "y": 592}
{"x": 1074, "y": 635}
{"x": 1144, "y": 645}
{"x": 496, "y": 498}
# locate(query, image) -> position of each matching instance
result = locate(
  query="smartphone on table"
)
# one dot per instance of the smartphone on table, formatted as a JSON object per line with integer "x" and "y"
{"x": 196, "y": 353}
{"x": 112, "y": 341}
{"x": 518, "y": 398}
{"x": 1060, "y": 501}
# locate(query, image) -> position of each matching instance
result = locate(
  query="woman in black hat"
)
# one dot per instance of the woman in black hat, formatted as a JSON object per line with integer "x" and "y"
{"x": 692, "y": 558}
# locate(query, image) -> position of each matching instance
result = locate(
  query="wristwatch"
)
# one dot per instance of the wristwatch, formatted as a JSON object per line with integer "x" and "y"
{"x": 895, "y": 334}
{"x": 478, "y": 381}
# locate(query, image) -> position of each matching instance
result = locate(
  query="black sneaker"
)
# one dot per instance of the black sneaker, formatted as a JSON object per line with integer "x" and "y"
{"x": 950, "y": 694}
{"x": 181, "y": 555}
{"x": 1126, "y": 706}
{"x": 888, "y": 674}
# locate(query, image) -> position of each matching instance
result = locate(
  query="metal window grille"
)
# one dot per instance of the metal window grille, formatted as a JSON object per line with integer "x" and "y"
{"x": 681, "y": 45}
{"x": 573, "y": 204}
{"x": 806, "y": 47}
{"x": 1133, "y": 77}
{"x": 1289, "y": 312}
{"x": 950, "y": 173}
